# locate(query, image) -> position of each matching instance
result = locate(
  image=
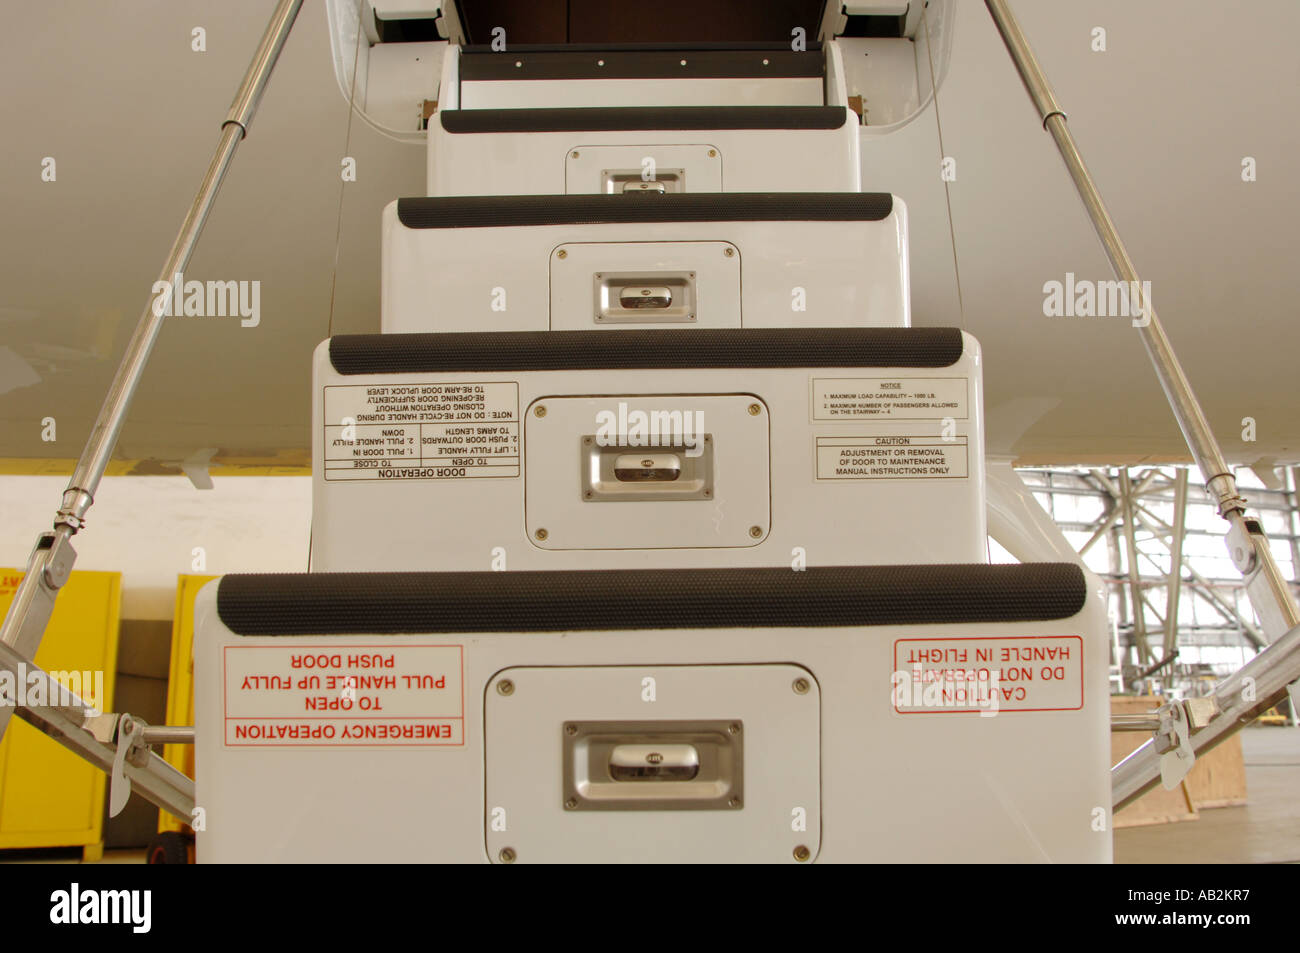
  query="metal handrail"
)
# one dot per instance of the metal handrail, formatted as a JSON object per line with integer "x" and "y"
{"x": 53, "y": 556}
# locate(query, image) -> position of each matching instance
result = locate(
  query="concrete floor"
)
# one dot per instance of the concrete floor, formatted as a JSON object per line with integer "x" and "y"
{"x": 1266, "y": 830}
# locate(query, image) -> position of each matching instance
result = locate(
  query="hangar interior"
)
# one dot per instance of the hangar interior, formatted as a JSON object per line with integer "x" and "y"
{"x": 633, "y": 432}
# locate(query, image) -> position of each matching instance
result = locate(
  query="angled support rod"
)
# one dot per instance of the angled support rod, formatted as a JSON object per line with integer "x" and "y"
{"x": 53, "y": 556}
{"x": 1247, "y": 544}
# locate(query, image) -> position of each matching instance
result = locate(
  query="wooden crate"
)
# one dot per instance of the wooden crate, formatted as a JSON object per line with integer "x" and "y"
{"x": 1218, "y": 779}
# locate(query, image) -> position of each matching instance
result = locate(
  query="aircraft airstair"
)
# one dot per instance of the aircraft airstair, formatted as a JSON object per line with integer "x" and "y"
{"x": 649, "y": 528}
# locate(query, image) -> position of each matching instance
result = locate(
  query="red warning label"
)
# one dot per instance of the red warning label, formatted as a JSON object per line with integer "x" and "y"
{"x": 988, "y": 675}
{"x": 344, "y": 695}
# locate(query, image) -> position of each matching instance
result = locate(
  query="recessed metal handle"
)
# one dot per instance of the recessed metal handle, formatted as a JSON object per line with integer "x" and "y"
{"x": 654, "y": 763}
{"x": 623, "y": 473}
{"x": 647, "y": 468}
{"x": 628, "y": 181}
{"x": 636, "y": 297}
{"x": 635, "y": 186}
{"x": 648, "y": 297}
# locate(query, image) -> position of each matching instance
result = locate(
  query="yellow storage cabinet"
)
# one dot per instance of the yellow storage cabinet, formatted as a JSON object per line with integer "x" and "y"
{"x": 49, "y": 797}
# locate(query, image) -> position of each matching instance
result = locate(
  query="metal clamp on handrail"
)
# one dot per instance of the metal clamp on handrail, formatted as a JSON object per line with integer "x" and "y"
{"x": 116, "y": 744}
{"x": 1237, "y": 701}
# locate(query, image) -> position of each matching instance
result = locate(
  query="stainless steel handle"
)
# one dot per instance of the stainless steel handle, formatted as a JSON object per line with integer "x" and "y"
{"x": 648, "y": 762}
{"x": 639, "y": 297}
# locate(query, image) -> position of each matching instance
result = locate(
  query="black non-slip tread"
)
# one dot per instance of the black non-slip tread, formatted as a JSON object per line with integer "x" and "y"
{"x": 637, "y": 349}
{"x": 638, "y": 118}
{"x": 621, "y": 600}
{"x": 505, "y": 211}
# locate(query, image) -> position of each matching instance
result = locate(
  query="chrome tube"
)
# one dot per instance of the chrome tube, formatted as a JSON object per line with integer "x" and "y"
{"x": 1219, "y": 480}
{"x": 80, "y": 494}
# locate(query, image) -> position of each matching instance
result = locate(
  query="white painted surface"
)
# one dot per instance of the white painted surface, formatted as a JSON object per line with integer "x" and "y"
{"x": 753, "y": 160}
{"x": 842, "y": 273}
{"x": 781, "y": 764}
{"x": 402, "y": 523}
{"x": 942, "y": 786}
{"x": 147, "y": 527}
{"x": 550, "y": 94}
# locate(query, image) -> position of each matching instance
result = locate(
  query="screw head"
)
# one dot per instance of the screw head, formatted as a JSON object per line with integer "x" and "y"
{"x": 729, "y": 252}
{"x": 755, "y": 410}
{"x": 733, "y": 802}
{"x": 561, "y": 254}
{"x": 507, "y": 855}
{"x": 570, "y": 729}
{"x": 541, "y": 534}
{"x": 733, "y": 728}
{"x": 574, "y": 153}
{"x": 713, "y": 153}
{"x": 571, "y": 803}
{"x": 801, "y": 686}
{"x": 802, "y": 853}
{"x": 756, "y": 531}
{"x": 505, "y": 687}
{"x": 539, "y": 410}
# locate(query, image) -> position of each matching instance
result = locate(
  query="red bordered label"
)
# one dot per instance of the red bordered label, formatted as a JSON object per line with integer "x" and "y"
{"x": 333, "y": 695}
{"x": 988, "y": 674}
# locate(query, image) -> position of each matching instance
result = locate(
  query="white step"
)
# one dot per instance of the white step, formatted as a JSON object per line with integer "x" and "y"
{"x": 534, "y": 263}
{"x": 548, "y": 123}
{"x": 483, "y": 711}
{"x": 817, "y": 446}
